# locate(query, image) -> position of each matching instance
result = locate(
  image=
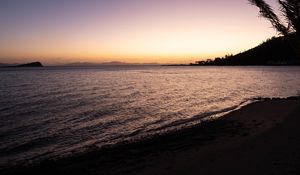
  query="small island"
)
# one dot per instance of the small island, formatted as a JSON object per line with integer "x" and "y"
{"x": 32, "y": 64}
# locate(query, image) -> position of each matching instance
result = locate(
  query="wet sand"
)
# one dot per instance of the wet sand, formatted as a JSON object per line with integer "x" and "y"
{"x": 260, "y": 138}
{"x": 267, "y": 142}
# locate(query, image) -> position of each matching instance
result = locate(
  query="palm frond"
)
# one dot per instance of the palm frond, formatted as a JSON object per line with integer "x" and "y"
{"x": 291, "y": 12}
{"x": 267, "y": 12}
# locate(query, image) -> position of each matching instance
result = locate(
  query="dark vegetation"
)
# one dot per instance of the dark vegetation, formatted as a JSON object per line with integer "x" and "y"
{"x": 283, "y": 50}
{"x": 290, "y": 10}
{"x": 288, "y": 24}
{"x": 275, "y": 51}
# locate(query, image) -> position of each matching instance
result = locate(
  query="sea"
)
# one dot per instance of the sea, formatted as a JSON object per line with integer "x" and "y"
{"x": 56, "y": 112}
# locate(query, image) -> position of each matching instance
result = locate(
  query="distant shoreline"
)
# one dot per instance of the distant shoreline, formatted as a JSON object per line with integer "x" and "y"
{"x": 199, "y": 65}
{"x": 129, "y": 65}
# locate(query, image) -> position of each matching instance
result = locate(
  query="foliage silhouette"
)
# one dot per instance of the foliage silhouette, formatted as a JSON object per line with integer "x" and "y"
{"x": 290, "y": 10}
{"x": 275, "y": 51}
{"x": 290, "y": 23}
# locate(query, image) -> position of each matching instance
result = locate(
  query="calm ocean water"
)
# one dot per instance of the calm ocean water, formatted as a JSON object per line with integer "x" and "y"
{"x": 48, "y": 113}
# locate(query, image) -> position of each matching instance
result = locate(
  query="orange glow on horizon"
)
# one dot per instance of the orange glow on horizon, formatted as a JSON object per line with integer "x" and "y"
{"x": 159, "y": 31}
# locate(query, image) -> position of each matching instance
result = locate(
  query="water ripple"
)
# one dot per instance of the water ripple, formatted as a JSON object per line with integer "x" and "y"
{"x": 56, "y": 112}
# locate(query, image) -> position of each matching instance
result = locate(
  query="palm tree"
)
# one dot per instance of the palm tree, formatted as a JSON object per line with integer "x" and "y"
{"x": 290, "y": 23}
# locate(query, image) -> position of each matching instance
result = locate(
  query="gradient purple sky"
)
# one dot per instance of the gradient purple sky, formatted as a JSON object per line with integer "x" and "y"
{"x": 164, "y": 31}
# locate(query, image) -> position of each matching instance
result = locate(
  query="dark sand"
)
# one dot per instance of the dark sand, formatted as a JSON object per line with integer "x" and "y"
{"x": 260, "y": 138}
{"x": 268, "y": 142}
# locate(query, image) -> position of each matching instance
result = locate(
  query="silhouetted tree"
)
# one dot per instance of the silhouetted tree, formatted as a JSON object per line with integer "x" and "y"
{"x": 291, "y": 19}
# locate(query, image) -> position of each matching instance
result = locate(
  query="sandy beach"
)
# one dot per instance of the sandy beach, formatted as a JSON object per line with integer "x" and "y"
{"x": 149, "y": 87}
{"x": 267, "y": 142}
{"x": 260, "y": 138}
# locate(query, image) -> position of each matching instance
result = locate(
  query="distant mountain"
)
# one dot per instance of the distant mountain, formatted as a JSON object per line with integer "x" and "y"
{"x": 116, "y": 63}
{"x": 112, "y": 63}
{"x": 275, "y": 51}
{"x": 88, "y": 64}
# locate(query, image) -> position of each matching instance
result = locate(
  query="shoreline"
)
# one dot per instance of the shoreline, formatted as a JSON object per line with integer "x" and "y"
{"x": 169, "y": 153}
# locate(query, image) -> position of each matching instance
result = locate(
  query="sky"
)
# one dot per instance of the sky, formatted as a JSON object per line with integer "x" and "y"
{"x": 136, "y": 31}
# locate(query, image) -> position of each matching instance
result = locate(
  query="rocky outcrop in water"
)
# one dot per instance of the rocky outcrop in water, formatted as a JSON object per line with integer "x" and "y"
{"x": 33, "y": 64}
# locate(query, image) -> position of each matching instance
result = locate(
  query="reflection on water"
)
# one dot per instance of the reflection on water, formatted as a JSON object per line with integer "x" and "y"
{"x": 52, "y": 112}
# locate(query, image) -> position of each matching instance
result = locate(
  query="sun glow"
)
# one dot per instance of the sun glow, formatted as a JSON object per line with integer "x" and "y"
{"x": 132, "y": 31}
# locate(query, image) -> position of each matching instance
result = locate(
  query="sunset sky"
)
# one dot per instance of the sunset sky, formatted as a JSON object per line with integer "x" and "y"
{"x": 140, "y": 31}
